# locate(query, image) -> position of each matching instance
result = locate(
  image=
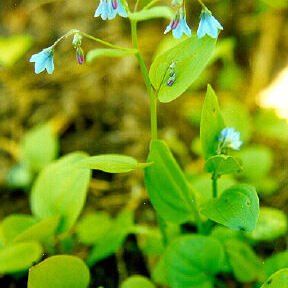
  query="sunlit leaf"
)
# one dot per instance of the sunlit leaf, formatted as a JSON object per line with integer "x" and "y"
{"x": 137, "y": 282}
{"x": 277, "y": 280}
{"x": 154, "y": 12}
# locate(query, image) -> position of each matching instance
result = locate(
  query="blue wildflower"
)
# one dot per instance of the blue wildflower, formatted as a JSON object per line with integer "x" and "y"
{"x": 43, "y": 60}
{"x": 178, "y": 25}
{"x": 108, "y": 9}
{"x": 230, "y": 138}
{"x": 208, "y": 25}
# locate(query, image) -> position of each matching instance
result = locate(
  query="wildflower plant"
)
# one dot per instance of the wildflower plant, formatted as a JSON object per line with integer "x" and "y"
{"x": 59, "y": 192}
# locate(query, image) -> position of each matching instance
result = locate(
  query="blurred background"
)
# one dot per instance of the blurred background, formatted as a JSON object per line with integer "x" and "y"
{"x": 103, "y": 107}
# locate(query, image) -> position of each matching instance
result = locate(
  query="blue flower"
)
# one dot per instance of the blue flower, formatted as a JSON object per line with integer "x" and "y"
{"x": 178, "y": 25}
{"x": 230, "y": 138}
{"x": 43, "y": 60}
{"x": 208, "y": 25}
{"x": 108, "y": 9}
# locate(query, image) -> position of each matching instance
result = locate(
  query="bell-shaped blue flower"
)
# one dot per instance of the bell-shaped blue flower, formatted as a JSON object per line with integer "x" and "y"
{"x": 230, "y": 138}
{"x": 208, "y": 25}
{"x": 108, "y": 9}
{"x": 178, "y": 25}
{"x": 43, "y": 60}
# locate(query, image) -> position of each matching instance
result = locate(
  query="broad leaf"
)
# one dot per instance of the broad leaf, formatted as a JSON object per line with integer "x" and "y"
{"x": 61, "y": 271}
{"x": 243, "y": 260}
{"x": 92, "y": 227}
{"x": 137, "y": 282}
{"x": 275, "y": 263}
{"x": 104, "y": 52}
{"x": 154, "y": 12}
{"x": 222, "y": 164}
{"x": 271, "y": 225}
{"x": 212, "y": 124}
{"x": 236, "y": 208}
{"x": 39, "y": 147}
{"x": 112, "y": 163}
{"x": 192, "y": 261}
{"x": 112, "y": 240}
{"x": 166, "y": 185}
{"x": 19, "y": 256}
{"x": 277, "y": 280}
{"x": 60, "y": 190}
{"x": 191, "y": 56}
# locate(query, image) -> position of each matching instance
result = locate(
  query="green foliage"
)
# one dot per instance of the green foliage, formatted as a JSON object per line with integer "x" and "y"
{"x": 60, "y": 190}
{"x": 271, "y": 225}
{"x": 104, "y": 52}
{"x": 236, "y": 208}
{"x": 19, "y": 177}
{"x": 277, "y": 280}
{"x": 154, "y": 12}
{"x": 137, "y": 282}
{"x": 39, "y": 147}
{"x": 192, "y": 261}
{"x": 13, "y": 48}
{"x": 19, "y": 256}
{"x": 60, "y": 271}
{"x": 222, "y": 164}
{"x": 275, "y": 263}
{"x": 112, "y": 163}
{"x": 212, "y": 124}
{"x": 112, "y": 239}
{"x": 166, "y": 185}
{"x": 244, "y": 262}
{"x": 92, "y": 227}
{"x": 191, "y": 56}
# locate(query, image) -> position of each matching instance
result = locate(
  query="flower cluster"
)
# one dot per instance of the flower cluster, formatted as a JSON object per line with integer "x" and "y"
{"x": 229, "y": 138}
{"x": 108, "y": 9}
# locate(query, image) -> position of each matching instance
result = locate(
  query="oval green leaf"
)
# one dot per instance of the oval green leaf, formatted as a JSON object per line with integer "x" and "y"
{"x": 60, "y": 271}
{"x": 275, "y": 263}
{"x": 154, "y": 12}
{"x": 192, "y": 261}
{"x": 60, "y": 190}
{"x": 104, "y": 52}
{"x": 277, "y": 280}
{"x": 222, "y": 164}
{"x": 166, "y": 185}
{"x": 191, "y": 57}
{"x": 19, "y": 256}
{"x": 236, "y": 208}
{"x": 137, "y": 281}
{"x": 211, "y": 124}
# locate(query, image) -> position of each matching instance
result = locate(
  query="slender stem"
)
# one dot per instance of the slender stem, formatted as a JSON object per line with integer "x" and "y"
{"x": 202, "y": 4}
{"x": 150, "y": 4}
{"x": 153, "y": 99}
{"x": 105, "y": 43}
{"x": 163, "y": 228}
{"x": 214, "y": 185}
{"x": 136, "y": 5}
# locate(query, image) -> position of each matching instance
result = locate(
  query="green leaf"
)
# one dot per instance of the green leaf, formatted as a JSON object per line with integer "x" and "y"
{"x": 154, "y": 12}
{"x": 92, "y": 227}
{"x": 277, "y": 280}
{"x": 19, "y": 177}
{"x": 222, "y": 164}
{"x": 13, "y": 48}
{"x": 137, "y": 282}
{"x": 42, "y": 231}
{"x": 61, "y": 271}
{"x": 212, "y": 124}
{"x": 275, "y": 263}
{"x": 15, "y": 224}
{"x": 104, "y": 52}
{"x": 113, "y": 238}
{"x": 39, "y": 147}
{"x": 271, "y": 225}
{"x": 236, "y": 208}
{"x": 159, "y": 272}
{"x": 166, "y": 185}
{"x": 19, "y": 256}
{"x": 60, "y": 190}
{"x": 257, "y": 162}
{"x": 112, "y": 163}
{"x": 191, "y": 56}
{"x": 244, "y": 262}
{"x": 192, "y": 261}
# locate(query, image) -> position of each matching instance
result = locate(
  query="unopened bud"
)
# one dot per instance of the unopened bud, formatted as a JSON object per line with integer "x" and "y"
{"x": 79, "y": 55}
{"x": 77, "y": 40}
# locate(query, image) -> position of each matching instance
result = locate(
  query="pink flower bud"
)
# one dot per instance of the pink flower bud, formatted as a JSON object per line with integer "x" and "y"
{"x": 79, "y": 55}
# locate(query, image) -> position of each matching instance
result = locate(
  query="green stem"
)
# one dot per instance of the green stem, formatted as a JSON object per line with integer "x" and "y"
{"x": 214, "y": 185}
{"x": 150, "y": 4}
{"x": 152, "y": 97}
{"x": 202, "y": 4}
{"x": 163, "y": 228}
